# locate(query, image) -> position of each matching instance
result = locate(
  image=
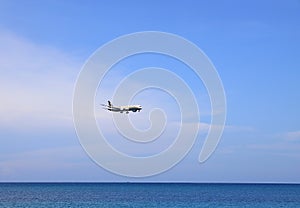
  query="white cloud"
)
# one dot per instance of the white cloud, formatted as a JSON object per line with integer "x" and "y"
{"x": 283, "y": 144}
{"x": 36, "y": 89}
{"x": 43, "y": 164}
{"x": 36, "y": 83}
{"x": 292, "y": 136}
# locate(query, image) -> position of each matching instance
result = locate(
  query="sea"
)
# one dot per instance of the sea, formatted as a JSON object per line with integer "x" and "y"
{"x": 148, "y": 195}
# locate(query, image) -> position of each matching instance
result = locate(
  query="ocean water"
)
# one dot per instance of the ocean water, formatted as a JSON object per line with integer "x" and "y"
{"x": 148, "y": 195}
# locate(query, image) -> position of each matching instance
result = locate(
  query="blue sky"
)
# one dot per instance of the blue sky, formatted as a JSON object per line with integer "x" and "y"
{"x": 254, "y": 45}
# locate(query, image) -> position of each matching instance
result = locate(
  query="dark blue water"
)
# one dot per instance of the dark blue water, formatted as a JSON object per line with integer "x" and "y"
{"x": 148, "y": 195}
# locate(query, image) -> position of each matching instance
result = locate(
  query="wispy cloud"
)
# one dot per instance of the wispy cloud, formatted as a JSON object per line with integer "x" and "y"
{"x": 36, "y": 83}
{"x": 280, "y": 144}
{"x": 42, "y": 164}
{"x": 292, "y": 136}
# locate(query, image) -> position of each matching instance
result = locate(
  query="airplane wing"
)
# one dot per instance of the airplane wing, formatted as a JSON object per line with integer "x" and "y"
{"x": 107, "y": 107}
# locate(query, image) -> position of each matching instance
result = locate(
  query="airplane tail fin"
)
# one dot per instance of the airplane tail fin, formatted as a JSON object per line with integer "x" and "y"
{"x": 109, "y": 104}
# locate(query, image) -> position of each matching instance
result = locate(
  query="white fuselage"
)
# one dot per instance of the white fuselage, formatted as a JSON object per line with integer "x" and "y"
{"x": 121, "y": 109}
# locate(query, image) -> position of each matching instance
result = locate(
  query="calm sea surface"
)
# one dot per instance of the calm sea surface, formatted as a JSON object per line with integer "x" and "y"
{"x": 148, "y": 195}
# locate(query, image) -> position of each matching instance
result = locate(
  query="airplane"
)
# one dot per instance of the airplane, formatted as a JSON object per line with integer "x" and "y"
{"x": 121, "y": 109}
